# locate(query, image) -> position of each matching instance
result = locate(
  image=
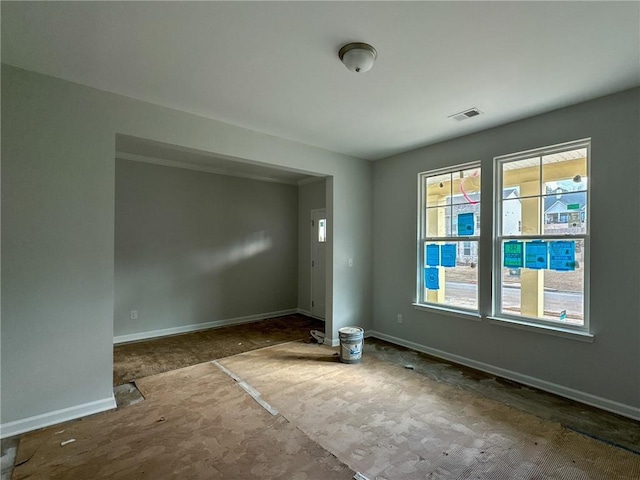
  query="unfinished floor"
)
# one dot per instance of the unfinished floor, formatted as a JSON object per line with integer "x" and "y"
{"x": 194, "y": 424}
{"x": 391, "y": 422}
{"x": 145, "y": 358}
{"x": 398, "y": 414}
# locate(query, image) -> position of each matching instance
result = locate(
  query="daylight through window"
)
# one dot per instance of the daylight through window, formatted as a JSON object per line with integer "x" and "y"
{"x": 322, "y": 230}
{"x": 542, "y": 236}
{"x": 449, "y": 232}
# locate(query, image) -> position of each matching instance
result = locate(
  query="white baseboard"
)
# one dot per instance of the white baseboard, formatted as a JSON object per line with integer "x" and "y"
{"x": 332, "y": 342}
{"x": 133, "y": 337}
{"x": 307, "y": 313}
{"x": 577, "y": 395}
{"x": 58, "y": 416}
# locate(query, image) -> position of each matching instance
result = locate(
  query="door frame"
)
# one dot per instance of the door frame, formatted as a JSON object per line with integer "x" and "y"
{"x": 311, "y": 241}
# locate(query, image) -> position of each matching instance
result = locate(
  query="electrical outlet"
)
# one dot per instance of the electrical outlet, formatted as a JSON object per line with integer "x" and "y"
{"x": 399, "y": 318}
{"x": 134, "y": 314}
{"x": 350, "y": 262}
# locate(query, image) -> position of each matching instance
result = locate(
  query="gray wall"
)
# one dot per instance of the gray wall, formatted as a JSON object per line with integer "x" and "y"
{"x": 609, "y": 368}
{"x": 58, "y": 185}
{"x": 311, "y": 196}
{"x": 194, "y": 247}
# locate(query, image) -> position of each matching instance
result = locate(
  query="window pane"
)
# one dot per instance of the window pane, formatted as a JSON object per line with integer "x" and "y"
{"x": 511, "y": 192}
{"x": 322, "y": 230}
{"x": 565, "y": 171}
{"x": 565, "y": 213}
{"x": 466, "y": 187}
{"x": 564, "y": 291}
{"x": 466, "y": 220}
{"x": 438, "y": 190}
{"x": 523, "y": 175}
{"x": 456, "y": 285}
{"x": 554, "y": 293}
{"x": 521, "y": 216}
{"x": 511, "y": 290}
{"x": 438, "y": 222}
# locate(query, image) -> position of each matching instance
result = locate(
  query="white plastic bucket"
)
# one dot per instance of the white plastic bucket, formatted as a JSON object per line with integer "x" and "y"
{"x": 351, "y": 343}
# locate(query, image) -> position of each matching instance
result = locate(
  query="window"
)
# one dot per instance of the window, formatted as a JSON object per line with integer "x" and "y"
{"x": 541, "y": 223}
{"x": 322, "y": 230}
{"x": 449, "y": 231}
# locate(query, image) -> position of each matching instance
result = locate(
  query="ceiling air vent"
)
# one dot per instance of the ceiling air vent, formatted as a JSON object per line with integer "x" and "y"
{"x": 472, "y": 112}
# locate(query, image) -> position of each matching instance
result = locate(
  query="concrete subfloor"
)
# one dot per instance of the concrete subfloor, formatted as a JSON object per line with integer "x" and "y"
{"x": 593, "y": 422}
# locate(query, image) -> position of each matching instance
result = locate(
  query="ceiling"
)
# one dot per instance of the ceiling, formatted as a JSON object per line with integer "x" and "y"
{"x": 273, "y": 66}
{"x": 148, "y": 151}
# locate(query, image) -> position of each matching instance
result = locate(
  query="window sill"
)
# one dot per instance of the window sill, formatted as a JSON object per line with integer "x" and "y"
{"x": 452, "y": 312}
{"x": 546, "y": 329}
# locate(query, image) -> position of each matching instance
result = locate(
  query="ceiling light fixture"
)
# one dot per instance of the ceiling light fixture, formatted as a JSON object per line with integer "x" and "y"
{"x": 358, "y": 57}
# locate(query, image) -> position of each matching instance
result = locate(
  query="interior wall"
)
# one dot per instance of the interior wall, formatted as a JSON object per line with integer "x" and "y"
{"x": 194, "y": 247}
{"x": 607, "y": 371}
{"x": 311, "y": 196}
{"x": 58, "y": 186}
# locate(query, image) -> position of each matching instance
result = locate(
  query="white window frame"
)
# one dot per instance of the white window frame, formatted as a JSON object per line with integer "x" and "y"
{"x": 520, "y": 320}
{"x": 420, "y": 301}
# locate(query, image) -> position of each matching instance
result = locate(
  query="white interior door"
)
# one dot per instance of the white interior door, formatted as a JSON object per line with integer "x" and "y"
{"x": 318, "y": 262}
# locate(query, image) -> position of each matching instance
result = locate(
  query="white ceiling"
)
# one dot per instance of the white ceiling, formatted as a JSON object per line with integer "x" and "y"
{"x": 148, "y": 151}
{"x": 274, "y": 67}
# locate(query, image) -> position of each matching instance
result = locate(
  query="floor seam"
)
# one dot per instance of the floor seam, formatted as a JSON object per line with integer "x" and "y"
{"x": 248, "y": 388}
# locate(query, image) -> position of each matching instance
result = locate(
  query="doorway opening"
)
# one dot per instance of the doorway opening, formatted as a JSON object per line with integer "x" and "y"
{"x": 318, "y": 262}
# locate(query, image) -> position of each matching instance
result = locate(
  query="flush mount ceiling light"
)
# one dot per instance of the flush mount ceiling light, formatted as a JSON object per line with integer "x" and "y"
{"x": 358, "y": 57}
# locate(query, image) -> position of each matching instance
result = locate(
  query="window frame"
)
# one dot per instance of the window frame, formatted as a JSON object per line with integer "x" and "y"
{"x": 421, "y": 302}
{"x": 498, "y": 238}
